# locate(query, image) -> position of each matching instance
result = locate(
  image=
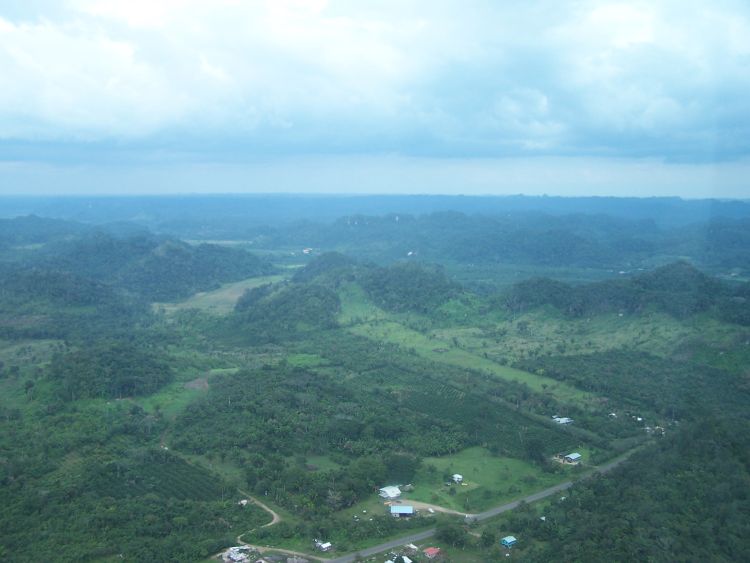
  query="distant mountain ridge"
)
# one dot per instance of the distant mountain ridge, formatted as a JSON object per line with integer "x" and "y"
{"x": 678, "y": 289}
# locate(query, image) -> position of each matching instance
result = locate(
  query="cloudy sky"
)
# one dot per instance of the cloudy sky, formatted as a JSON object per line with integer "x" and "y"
{"x": 464, "y": 96}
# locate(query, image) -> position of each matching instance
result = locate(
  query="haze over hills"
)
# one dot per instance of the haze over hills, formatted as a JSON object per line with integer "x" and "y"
{"x": 184, "y": 215}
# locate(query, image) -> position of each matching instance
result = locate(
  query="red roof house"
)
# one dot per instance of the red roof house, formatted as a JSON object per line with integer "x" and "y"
{"x": 432, "y": 552}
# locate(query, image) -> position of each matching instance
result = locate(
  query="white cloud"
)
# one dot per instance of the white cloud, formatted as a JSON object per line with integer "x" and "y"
{"x": 403, "y": 76}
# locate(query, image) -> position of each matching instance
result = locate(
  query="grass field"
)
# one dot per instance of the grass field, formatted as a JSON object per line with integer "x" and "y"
{"x": 548, "y": 332}
{"x": 488, "y": 480}
{"x": 356, "y": 307}
{"x": 322, "y": 462}
{"x": 446, "y": 351}
{"x": 363, "y": 318}
{"x": 175, "y": 397}
{"x": 219, "y": 301}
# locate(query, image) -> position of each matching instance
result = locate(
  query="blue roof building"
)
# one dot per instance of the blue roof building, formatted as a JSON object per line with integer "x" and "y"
{"x": 508, "y": 541}
{"x": 399, "y": 510}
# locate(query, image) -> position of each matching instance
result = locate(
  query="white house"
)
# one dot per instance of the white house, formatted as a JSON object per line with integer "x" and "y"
{"x": 323, "y": 546}
{"x": 562, "y": 419}
{"x": 390, "y": 492}
{"x": 573, "y": 458}
{"x": 457, "y": 478}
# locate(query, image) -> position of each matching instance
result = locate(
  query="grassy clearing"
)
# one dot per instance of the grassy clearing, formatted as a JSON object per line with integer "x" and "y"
{"x": 322, "y": 463}
{"x": 505, "y": 275}
{"x": 356, "y": 307}
{"x": 361, "y": 317}
{"x": 27, "y": 354}
{"x": 232, "y": 473}
{"x": 488, "y": 480}
{"x": 548, "y": 332}
{"x": 220, "y": 301}
{"x": 447, "y": 352}
{"x": 175, "y": 397}
{"x": 304, "y": 360}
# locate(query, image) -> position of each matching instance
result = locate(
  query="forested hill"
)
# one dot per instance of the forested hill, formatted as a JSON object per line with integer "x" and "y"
{"x": 155, "y": 268}
{"x": 581, "y": 240}
{"x": 678, "y": 289}
{"x": 37, "y": 230}
{"x": 311, "y": 301}
{"x": 715, "y": 236}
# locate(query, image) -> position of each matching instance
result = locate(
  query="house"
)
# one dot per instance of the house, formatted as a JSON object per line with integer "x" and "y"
{"x": 390, "y": 492}
{"x": 573, "y": 458}
{"x": 457, "y": 478}
{"x": 562, "y": 419}
{"x": 508, "y": 541}
{"x": 402, "y": 511}
{"x": 323, "y": 546}
{"x": 433, "y": 552}
{"x": 237, "y": 554}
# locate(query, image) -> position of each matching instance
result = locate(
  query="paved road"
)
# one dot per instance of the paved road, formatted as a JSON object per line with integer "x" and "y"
{"x": 414, "y": 538}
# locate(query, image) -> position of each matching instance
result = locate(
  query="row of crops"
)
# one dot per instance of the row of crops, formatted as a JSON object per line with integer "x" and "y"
{"x": 162, "y": 474}
{"x": 487, "y": 423}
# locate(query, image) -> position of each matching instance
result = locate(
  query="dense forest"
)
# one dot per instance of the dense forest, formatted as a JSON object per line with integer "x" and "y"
{"x": 136, "y": 413}
{"x": 678, "y": 289}
{"x": 686, "y": 498}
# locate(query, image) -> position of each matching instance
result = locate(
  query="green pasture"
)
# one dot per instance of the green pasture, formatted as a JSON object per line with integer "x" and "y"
{"x": 304, "y": 360}
{"x": 220, "y": 301}
{"x": 488, "y": 480}
{"x": 322, "y": 462}
{"x": 446, "y": 351}
{"x": 175, "y": 397}
{"x": 356, "y": 307}
{"x": 547, "y": 332}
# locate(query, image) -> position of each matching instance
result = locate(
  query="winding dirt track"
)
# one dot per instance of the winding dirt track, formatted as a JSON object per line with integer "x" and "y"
{"x": 275, "y": 518}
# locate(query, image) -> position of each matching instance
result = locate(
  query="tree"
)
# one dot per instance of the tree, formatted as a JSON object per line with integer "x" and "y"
{"x": 452, "y": 534}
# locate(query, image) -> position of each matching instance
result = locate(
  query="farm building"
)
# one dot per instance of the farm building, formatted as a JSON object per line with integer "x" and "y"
{"x": 236, "y": 554}
{"x": 508, "y": 541}
{"x": 390, "y": 492}
{"x": 573, "y": 458}
{"x": 457, "y": 478}
{"x": 432, "y": 552}
{"x": 402, "y": 511}
{"x": 323, "y": 546}
{"x": 562, "y": 419}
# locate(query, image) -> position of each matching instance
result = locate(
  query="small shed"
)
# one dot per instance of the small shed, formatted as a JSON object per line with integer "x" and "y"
{"x": 575, "y": 457}
{"x": 390, "y": 492}
{"x": 457, "y": 478}
{"x": 399, "y": 510}
{"x": 508, "y": 541}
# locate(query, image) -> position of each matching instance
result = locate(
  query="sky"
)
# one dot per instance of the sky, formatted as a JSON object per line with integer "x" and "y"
{"x": 394, "y": 96}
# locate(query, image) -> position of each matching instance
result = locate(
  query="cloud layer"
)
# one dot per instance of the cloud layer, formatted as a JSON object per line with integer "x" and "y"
{"x": 223, "y": 79}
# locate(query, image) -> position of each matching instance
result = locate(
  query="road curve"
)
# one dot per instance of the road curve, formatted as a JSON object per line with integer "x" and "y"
{"x": 413, "y": 538}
